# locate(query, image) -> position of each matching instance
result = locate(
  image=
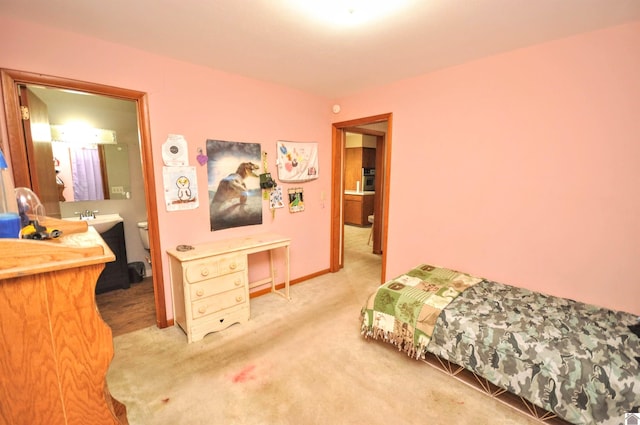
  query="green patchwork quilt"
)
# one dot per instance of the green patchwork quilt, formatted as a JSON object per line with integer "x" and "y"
{"x": 576, "y": 360}
{"x": 404, "y": 310}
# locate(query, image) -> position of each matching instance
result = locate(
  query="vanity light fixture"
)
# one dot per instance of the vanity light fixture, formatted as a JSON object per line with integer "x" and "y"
{"x": 82, "y": 134}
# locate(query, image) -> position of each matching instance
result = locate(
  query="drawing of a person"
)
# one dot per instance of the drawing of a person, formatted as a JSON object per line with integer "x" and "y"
{"x": 184, "y": 192}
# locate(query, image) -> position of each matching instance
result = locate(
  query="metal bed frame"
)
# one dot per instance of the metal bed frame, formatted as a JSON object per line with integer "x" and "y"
{"x": 483, "y": 385}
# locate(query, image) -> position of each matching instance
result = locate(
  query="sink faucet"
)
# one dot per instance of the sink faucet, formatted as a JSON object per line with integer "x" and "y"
{"x": 87, "y": 214}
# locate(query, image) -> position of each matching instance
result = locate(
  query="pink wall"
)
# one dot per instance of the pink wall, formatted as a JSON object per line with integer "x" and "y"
{"x": 200, "y": 104}
{"x": 522, "y": 167}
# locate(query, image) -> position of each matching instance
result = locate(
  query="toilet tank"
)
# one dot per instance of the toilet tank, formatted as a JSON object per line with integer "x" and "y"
{"x": 143, "y": 229}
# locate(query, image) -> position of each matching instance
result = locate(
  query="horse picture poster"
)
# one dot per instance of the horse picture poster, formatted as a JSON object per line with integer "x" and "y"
{"x": 235, "y": 196}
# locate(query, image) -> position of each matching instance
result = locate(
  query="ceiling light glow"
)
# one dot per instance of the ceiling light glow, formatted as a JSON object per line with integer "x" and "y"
{"x": 349, "y": 12}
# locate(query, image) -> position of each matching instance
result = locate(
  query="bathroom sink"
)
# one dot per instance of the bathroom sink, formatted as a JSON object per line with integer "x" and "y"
{"x": 102, "y": 222}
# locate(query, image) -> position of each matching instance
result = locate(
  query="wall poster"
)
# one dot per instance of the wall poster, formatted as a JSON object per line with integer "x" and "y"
{"x": 234, "y": 186}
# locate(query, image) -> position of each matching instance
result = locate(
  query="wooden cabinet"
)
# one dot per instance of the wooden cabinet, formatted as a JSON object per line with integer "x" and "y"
{"x": 368, "y": 157}
{"x": 355, "y": 159}
{"x": 352, "y": 168}
{"x": 357, "y": 208}
{"x": 352, "y": 209}
{"x": 367, "y": 208}
{"x": 55, "y": 348}
{"x": 116, "y": 273}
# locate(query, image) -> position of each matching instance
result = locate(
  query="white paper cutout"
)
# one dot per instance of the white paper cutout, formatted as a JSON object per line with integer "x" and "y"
{"x": 180, "y": 188}
{"x": 174, "y": 151}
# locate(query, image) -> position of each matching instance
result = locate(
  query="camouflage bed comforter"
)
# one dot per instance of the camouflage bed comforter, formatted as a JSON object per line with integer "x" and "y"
{"x": 574, "y": 359}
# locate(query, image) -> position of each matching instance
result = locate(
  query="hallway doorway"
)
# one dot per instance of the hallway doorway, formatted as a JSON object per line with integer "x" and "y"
{"x": 368, "y": 125}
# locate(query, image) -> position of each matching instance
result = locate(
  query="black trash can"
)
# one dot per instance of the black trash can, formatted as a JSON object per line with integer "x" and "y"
{"x": 136, "y": 271}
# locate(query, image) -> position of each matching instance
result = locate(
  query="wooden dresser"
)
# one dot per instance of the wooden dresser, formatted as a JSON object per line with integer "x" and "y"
{"x": 55, "y": 348}
{"x": 358, "y": 206}
{"x": 211, "y": 282}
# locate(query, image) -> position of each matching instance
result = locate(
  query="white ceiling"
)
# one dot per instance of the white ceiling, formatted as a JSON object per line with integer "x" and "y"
{"x": 273, "y": 40}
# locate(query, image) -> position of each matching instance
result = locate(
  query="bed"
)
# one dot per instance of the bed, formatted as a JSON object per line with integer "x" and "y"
{"x": 566, "y": 361}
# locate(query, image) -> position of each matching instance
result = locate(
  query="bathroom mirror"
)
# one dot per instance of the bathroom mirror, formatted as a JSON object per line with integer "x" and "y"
{"x": 86, "y": 168}
{"x": 91, "y": 172}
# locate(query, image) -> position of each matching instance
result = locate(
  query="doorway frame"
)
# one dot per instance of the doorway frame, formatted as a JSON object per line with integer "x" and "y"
{"x": 383, "y": 177}
{"x": 20, "y": 167}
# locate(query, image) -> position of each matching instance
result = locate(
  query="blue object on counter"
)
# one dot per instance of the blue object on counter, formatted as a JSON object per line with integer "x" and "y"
{"x": 10, "y": 225}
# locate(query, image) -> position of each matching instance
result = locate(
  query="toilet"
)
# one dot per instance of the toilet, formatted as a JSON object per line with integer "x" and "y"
{"x": 143, "y": 229}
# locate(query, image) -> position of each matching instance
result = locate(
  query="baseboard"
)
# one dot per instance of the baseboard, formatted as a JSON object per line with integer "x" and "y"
{"x": 291, "y": 283}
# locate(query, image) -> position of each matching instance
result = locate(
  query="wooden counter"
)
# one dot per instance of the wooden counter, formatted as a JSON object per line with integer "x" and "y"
{"x": 358, "y": 206}
{"x": 55, "y": 347}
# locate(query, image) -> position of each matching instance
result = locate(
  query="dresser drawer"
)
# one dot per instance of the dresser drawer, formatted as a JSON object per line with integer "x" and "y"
{"x": 220, "y": 284}
{"x": 198, "y": 271}
{"x": 213, "y": 304}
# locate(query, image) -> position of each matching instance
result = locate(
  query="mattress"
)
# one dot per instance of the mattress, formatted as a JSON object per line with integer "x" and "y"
{"x": 573, "y": 359}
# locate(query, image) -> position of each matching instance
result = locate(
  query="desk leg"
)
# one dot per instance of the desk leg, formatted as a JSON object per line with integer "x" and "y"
{"x": 272, "y": 271}
{"x": 287, "y": 274}
{"x": 287, "y": 277}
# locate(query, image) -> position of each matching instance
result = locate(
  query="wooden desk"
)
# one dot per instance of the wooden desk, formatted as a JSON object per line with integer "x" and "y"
{"x": 211, "y": 282}
{"x": 55, "y": 348}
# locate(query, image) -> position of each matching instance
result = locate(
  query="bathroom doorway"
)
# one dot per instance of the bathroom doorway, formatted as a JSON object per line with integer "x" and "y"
{"x": 11, "y": 82}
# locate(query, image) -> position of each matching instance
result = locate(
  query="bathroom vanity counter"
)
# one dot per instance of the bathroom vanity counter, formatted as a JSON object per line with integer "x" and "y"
{"x": 111, "y": 230}
{"x": 56, "y": 347}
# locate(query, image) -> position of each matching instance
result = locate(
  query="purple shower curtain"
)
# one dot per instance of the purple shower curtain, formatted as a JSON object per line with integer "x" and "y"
{"x": 87, "y": 179}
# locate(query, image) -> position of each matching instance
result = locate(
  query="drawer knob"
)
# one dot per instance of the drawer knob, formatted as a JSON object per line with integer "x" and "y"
{"x": 199, "y": 292}
{"x": 238, "y": 282}
{"x": 238, "y": 298}
{"x": 232, "y": 266}
{"x": 204, "y": 271}
{"x": 202, "y": 310}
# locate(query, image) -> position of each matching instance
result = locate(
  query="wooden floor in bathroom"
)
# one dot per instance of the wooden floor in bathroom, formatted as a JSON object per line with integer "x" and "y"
{"x": 127, "y": 310}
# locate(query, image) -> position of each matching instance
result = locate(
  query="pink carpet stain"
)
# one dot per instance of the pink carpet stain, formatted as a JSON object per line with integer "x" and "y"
{"x": 245, "y": 375}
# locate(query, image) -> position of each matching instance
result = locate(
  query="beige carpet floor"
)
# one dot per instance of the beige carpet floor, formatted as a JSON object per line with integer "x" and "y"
{"x": 295, "y": 362}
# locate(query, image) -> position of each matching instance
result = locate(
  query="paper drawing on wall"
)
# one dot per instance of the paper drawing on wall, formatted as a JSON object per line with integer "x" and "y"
{"x": 296, "y": 200}
{"x": 275, "y": 198}
{"x": 180, "y": 188}
{"x": 234, "y": 185}
{"x": 174, "y": 151}
{"x": 297, "y": 162}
